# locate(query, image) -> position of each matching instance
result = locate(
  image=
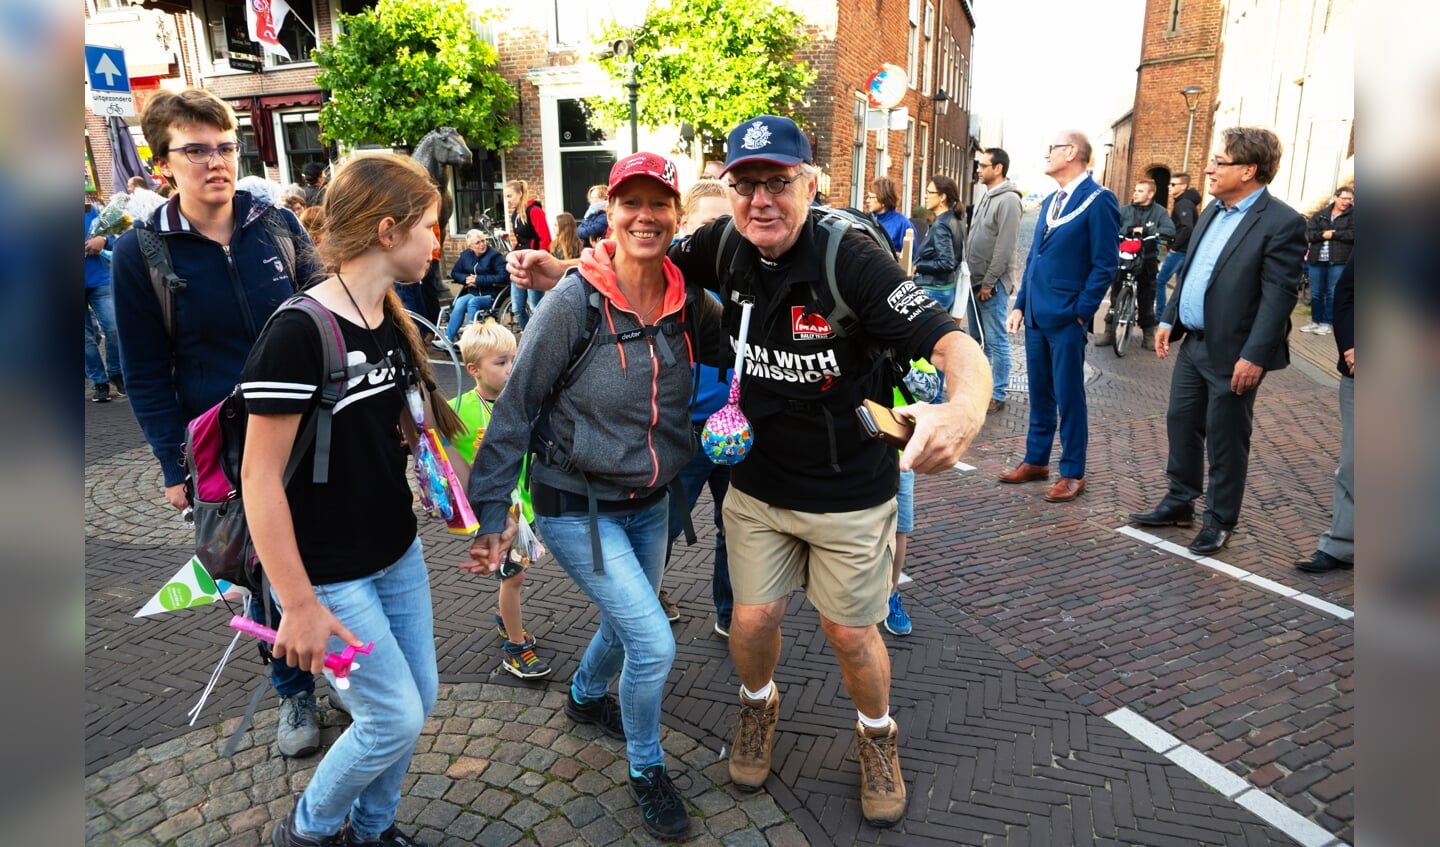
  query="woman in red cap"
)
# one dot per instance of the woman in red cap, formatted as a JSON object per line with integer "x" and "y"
{"x": 615, "y": 429}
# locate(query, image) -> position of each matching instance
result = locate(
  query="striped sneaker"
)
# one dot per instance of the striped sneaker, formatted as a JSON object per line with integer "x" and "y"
{"x": 520, "y": 660}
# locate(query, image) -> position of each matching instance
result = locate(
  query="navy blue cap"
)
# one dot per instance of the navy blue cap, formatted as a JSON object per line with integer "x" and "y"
{"x": 767, "y": 138}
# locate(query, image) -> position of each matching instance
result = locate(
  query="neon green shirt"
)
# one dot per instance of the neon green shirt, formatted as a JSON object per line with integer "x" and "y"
{"x": 474, "y": 412}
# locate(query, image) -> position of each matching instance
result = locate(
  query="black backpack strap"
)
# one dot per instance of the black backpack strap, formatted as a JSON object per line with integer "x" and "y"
{"x": 841, "y": 317}
{"x": 284, "y": 240}
{"x": 332, "y": 385}
{"x": 543, "y": 441}
{"x": 163, "y": 278}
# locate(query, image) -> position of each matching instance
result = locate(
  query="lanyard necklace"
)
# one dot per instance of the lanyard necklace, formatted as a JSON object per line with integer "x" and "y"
{"x": 375, "y": 339}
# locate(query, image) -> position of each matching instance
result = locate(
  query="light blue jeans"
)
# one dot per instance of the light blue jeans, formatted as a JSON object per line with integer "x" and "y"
{"x": 464, "y": 310}
{"x": 389, "y": 698}
{"x": 997, "y": 341}
{"x": 634, "y": 640}
{"x": 905, "y": 503}
{"x": 1168, "y": 268}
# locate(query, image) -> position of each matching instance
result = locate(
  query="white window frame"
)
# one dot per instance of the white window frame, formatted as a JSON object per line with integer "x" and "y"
{"x": 859, "y": 153}
{"x": 596, "y": 14}
{"x": 912, "y": 65}
{"x": 221, "y": 67}
{"x": 929, "y": 41}
{"x": 909, "y": 198}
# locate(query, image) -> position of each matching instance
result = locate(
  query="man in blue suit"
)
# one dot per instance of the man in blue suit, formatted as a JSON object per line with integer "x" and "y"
{"x": 1072, "y": 261}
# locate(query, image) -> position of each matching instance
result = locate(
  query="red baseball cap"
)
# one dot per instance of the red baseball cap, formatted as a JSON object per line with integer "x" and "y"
{"x": 654, "y": 166}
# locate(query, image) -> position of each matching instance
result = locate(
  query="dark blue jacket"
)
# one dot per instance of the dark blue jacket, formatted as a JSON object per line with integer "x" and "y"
{"x": 488, "y": 267}
{"x": 218, "y": 316}
{"x": 594, "y": 225}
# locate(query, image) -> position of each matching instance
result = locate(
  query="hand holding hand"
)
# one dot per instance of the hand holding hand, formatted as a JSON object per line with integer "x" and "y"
{"x": 488, "y": 551}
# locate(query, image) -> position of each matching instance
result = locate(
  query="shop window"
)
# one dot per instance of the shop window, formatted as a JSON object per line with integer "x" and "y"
{"x": 229, "y": 36}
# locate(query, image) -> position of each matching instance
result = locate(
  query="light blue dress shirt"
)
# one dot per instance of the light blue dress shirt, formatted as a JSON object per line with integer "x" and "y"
{"x": 1207, "y": 253}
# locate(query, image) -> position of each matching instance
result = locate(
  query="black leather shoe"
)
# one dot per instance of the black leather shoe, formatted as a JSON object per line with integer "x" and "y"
{"x": 1210, "y": 540}
{"x": 1323, "y": 562}
{"x": 1163, "y": 515}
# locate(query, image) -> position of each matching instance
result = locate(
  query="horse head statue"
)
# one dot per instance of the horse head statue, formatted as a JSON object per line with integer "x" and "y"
{"x": 441, "y": 148}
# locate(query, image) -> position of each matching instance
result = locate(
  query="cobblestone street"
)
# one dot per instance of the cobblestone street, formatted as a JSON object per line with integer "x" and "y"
{"x": 1066, "y": 682}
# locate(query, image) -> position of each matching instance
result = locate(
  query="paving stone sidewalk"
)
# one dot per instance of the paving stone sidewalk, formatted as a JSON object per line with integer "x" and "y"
{"x": 1032, "y": 622}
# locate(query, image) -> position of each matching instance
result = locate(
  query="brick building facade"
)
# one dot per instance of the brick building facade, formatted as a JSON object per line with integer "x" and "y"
{"x": 1283, "y": 64}
{"x": 1180, "y": 48}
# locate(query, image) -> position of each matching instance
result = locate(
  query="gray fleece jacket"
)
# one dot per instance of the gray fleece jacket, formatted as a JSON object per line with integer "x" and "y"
{"x": 994, "y": 235}
{"x": 625, "y": 422}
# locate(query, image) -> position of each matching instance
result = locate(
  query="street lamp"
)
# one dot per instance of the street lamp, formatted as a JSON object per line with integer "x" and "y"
{"x": 625, "y": 49}
{"x": 1191, "y": 93}
{"x": 629, "y": 16}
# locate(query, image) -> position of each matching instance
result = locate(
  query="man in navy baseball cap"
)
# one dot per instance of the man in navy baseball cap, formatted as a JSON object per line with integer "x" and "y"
{"x": 767, "y": 138}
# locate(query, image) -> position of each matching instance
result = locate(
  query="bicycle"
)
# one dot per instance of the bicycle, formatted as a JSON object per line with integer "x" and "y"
{"x": 1124, "y": 311}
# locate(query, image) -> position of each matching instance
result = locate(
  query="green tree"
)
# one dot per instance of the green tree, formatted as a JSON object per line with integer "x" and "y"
{"x": 405, "y": 67}
{"x": 712, "y": 63}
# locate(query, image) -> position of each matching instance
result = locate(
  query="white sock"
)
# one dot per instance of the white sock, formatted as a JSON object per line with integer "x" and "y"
{"x": 882, "y": 722}
{"x": 762, "y": 694}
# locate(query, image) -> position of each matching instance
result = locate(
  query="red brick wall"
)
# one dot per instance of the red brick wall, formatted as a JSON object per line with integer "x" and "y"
{"x": 868, "y": 34}
{"x": 1169, "y": 61}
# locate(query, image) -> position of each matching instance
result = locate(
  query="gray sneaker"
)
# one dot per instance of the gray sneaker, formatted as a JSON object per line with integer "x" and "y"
{"x": 298, "y": 732}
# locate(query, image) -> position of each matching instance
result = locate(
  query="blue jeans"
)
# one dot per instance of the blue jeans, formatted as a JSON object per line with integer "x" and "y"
{"x": 518, "y": 298}
{"x": 944, "y": 296}
{"x": 696, "y": 474}
{"x": 997, "y": 341}
{"x": 1322, "y": 291}
{"x": 414, "y": 300}
{"x": 1168, "y": 268}
{"x": 389, "y": 698}
{"x": 905, "y": 503}
{"x": 102, "y": 306}
{"x": 634, "y": 640}
{"x": 464, "y": 310}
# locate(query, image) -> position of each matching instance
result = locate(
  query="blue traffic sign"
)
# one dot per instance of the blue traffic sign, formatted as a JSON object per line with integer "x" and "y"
{"x": 105, "y": 67}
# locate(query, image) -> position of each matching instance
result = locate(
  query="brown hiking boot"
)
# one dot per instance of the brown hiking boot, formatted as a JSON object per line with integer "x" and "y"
{"x": 754, "y": 738}
{"x": 882, "y": 788}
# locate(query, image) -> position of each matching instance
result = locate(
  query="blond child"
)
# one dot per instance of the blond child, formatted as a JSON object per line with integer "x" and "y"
{"x": 488, "y": 351}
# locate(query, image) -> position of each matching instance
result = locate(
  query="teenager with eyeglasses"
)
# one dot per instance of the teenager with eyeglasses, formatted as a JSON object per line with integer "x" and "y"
{"x": 234, "y": 279}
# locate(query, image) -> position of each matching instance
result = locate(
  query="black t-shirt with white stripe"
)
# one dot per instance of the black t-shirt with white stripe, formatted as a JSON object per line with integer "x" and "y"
{"x": 362, "y": 520}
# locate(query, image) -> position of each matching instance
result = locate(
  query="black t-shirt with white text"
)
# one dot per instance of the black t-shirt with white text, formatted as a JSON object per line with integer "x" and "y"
{"x": 362, "y": 520}
{"x": 802, "y": 379}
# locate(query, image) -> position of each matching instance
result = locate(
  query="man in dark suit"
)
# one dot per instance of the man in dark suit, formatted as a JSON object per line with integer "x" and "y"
{"x": 1232, "y": 306}
{"x": 1072, "y": 261}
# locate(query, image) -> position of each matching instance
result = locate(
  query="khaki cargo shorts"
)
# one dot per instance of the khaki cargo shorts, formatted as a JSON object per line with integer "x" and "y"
{"x": 841, "y": 559}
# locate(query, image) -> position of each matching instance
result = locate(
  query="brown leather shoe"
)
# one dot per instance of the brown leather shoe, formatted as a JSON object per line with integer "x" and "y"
{"x": 1065, "y": 489}
{"x": 995, "y": 405}
{"x": 1026, "y": 472}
